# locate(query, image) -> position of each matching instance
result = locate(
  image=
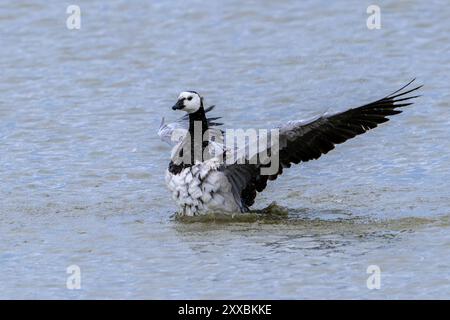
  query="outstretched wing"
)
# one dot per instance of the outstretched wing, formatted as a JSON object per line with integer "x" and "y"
{"x": 301, "y": 141}
{"x": 166, "y": 130}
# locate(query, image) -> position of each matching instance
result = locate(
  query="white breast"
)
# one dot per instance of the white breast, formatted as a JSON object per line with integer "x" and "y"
{"x": 201, "y": 189}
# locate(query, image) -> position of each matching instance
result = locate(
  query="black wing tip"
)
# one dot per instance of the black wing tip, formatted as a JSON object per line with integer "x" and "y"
{"x": 399, "y": 92}
{"x": 208, "y": 109}
{"x": 212, "y": 121}
{"x": 215, "y": 124}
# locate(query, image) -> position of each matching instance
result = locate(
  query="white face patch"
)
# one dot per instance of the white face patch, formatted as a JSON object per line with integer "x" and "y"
{"x": 191, "y": 101}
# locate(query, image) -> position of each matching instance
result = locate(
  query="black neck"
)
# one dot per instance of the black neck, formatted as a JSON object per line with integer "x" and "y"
{"x": 197, "y": 144}
{"x": 199, "y": 116}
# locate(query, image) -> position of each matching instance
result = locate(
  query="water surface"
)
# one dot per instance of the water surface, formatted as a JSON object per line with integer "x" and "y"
{"x": 82, "y": 170}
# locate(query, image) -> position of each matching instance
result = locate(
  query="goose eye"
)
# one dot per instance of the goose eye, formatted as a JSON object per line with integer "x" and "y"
{"x": 189, "y": 98}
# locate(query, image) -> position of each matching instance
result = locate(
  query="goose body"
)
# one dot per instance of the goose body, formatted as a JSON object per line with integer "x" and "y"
{"x": 202, "y": 188}
{"x": 201, "y": 182}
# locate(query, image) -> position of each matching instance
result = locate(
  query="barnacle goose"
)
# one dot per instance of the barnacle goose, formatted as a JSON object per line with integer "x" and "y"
{"x": 203, "y": 183}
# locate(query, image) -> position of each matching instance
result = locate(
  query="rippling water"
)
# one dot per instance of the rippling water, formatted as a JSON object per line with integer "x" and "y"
{"x": 82, "y": 170}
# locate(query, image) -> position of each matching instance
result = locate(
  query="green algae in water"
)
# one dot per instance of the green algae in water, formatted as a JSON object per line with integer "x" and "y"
{"x": 271, "y": 213}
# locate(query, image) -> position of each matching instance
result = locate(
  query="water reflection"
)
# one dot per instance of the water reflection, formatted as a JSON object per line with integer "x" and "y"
{"x": 303, "y": 229}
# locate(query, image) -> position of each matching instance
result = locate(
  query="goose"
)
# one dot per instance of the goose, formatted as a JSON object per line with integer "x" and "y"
{"x": 201, "y": 182}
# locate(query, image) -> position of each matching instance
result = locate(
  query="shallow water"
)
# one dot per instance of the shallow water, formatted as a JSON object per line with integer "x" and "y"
{"x": 82, "y": 170}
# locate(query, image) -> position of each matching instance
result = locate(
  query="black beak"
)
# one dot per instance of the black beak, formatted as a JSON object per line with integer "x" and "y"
{"x": 179, "y": 105}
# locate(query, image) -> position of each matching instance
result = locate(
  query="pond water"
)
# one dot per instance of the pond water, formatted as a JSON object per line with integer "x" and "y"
{"x": 82, "y": 169}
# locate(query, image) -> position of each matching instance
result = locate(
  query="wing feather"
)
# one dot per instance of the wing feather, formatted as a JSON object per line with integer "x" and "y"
{"x": 302, "y": 141}
{"x": 166, "y": 130}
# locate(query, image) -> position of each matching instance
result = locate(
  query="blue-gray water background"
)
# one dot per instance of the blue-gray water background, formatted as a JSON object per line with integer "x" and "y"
{"x": 82, "y": 169}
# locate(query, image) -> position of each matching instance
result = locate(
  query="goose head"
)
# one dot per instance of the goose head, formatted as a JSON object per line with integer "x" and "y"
{"x": 189, "y": 101}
